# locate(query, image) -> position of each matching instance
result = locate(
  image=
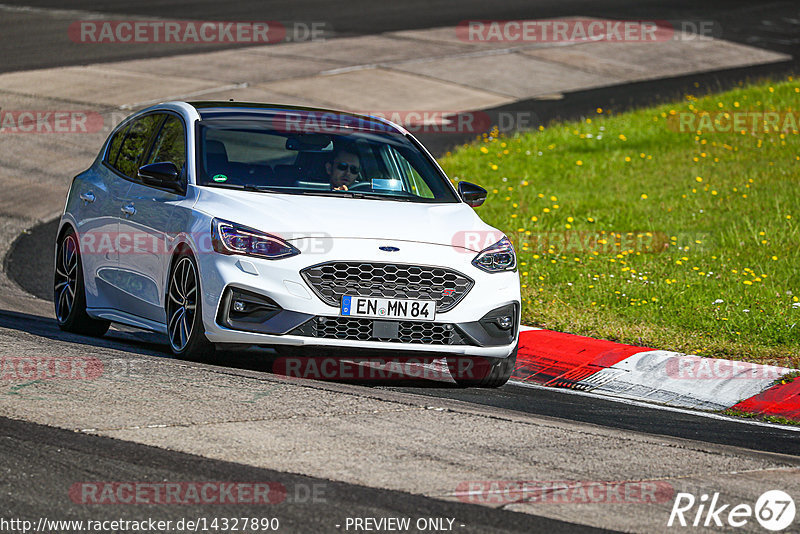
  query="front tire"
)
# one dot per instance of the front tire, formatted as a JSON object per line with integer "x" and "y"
{"x": 69, "y": 293}
{"x": 482, "y": 372}
{"x": 185, "y": 330}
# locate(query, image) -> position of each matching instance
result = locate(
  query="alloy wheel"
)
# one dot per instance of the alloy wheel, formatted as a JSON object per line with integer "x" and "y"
{"x": 66, "y": 277}
{"x": 182, "y": 303}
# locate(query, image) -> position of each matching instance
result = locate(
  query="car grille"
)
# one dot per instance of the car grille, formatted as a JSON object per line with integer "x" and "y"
{"x": 330, "y": 281}
{"x": 355, "y": 329}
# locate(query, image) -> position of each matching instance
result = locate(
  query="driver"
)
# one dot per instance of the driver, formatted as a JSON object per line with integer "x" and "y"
{"x": 343, "y": 169}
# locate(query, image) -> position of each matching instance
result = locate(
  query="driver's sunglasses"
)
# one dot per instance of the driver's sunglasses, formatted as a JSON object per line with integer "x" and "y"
{"x": 345, "y": 166}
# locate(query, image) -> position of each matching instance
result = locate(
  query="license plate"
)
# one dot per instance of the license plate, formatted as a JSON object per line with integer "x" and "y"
{"x": 377, "y": 308}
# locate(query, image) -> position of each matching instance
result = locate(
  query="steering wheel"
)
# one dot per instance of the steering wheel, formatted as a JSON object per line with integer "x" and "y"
{"x": 360, "y": 186}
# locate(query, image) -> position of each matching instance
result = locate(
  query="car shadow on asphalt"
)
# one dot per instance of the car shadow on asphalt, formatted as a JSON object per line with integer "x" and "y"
{"x": 314, "y": 366}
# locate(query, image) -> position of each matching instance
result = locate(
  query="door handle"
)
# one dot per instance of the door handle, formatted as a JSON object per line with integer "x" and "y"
{"x": 87, "y": 197}
{"x": 128, "y": 210}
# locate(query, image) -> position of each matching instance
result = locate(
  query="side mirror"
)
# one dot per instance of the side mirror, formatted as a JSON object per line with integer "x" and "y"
{"x": 472, "y": 194}
{"x": 164, "y": 175}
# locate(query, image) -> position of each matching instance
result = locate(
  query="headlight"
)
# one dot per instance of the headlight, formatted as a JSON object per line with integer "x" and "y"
{"x": 499, "y": 257}
{"x": 231, "y": 238}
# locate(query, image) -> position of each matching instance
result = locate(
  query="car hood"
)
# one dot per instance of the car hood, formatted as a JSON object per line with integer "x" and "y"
{"x": 299, "y": 216}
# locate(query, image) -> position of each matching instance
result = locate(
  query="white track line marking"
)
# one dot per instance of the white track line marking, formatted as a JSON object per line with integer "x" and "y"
{"x": 71, "y": 13}
{"x": 708, "y": 415}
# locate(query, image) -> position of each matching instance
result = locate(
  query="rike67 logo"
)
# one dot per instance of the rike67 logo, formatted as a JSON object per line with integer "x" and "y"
{"x": 774, "y": 510}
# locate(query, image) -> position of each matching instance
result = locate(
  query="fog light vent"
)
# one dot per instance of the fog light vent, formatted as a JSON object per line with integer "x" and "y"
{"x": 505, "y": 322}
{"x": 240, "y": 306}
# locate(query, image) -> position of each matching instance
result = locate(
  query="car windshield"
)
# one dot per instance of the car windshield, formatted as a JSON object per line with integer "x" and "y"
{"x": 284, "y": 156}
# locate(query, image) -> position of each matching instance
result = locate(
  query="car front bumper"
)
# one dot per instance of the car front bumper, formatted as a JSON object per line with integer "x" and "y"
{"x": 300, "y": 317}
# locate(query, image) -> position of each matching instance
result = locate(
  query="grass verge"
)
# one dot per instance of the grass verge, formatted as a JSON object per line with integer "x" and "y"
{"x": 763, "y": 418}
{"x": 674, "y": 227}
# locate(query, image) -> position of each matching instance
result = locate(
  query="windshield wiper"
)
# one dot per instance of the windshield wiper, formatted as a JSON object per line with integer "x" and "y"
{"x": 398, "y": 198}
{"x": 355, "y": 194}
{"x": 324, "y": 193}
{"x": 259, "y": 188}
{"x": 223, "y": 186}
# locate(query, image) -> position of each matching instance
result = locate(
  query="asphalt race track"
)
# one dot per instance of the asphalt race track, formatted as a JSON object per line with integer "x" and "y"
{"x": 44, "y": 457}
{"x": 28, "y": 256}
{"x": 31, "y": 29}
{"x": 224, "y": 434}
{"x": 32, "y": 32}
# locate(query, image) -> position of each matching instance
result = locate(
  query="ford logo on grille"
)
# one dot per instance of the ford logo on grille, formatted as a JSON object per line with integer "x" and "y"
{"x": 389, "y": 249}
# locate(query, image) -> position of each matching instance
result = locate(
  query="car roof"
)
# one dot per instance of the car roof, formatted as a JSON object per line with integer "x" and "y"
{"x": 239, "y": 110}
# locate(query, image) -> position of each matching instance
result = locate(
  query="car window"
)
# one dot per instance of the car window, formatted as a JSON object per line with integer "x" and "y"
{"x": 114, "y": 144}
{"x": 136, "y": 141}
{"x": 170, "y": 145}
{"x": 266, "y": 155}
{"x": 244, "y": 147}
{"x": 400, "y": 175}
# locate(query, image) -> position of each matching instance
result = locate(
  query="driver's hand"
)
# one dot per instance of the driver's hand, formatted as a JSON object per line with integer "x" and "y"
{"x": 342, "y": 187}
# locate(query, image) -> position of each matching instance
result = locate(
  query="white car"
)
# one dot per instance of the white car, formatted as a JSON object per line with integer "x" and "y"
{"x": 229, "y": 223}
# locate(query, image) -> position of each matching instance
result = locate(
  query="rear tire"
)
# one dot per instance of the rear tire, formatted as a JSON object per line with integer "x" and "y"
{"x": 69, "y": 292}
{"x": 187, "y": 337}
{"x": 482, "y": 372}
